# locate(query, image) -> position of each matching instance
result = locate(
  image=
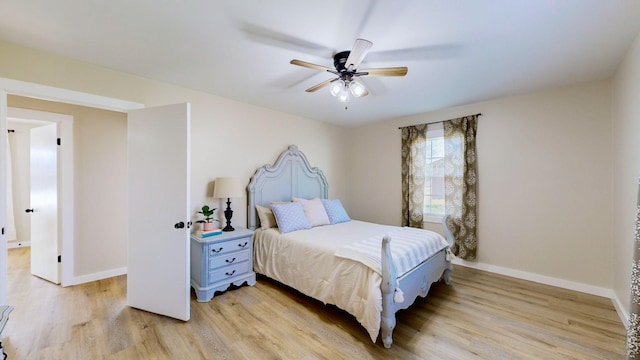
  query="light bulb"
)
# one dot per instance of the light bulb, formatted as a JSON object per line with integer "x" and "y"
{"x": 336, "y": 87}
{"x": 357, "y": 89}
{"x": 344, "y": 95}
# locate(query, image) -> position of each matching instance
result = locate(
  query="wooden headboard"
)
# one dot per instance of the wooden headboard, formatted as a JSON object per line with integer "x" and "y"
{"x": 290, "y": 176}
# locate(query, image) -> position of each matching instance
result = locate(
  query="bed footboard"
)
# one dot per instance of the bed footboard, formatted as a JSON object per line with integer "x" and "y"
{"x": 388, "y": 287}
{"x": 415, "y": 283}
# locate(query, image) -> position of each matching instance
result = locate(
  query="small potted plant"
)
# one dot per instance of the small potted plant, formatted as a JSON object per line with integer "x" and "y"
{"x": 207, "y": 222}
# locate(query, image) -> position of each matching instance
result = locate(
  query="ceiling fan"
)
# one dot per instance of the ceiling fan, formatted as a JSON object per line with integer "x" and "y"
{"x": 346, "y": 70}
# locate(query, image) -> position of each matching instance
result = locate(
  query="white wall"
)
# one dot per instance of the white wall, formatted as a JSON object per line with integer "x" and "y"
{"x": 544, "y": 180}
{"x": 626, "y": 168}
{"x": 235, "y": 139}
{"x": 229, "y": 138}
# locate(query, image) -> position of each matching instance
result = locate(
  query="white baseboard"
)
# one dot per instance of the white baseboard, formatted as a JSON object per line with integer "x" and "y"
{"x": 622, "y": 313}
{"x": 547, "y": 280}
{"x": 18, "y": 244}
{"x": 77, "y": 280}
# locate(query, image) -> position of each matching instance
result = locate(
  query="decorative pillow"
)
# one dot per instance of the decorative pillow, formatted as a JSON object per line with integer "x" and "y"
{"x": 267, "y": 220}
{"x": 335, "y": 211}
{"x": 290, "y": 217}
{"x": 314, "y": 211}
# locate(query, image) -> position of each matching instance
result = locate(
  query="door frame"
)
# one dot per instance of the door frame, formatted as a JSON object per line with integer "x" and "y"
{"x": 65, "y": 191}
{"x": 27, "y": 89}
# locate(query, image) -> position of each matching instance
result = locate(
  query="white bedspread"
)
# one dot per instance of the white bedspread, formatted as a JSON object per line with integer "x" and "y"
{"x": 409, "y": 247}
{"x": 348, "y": 284}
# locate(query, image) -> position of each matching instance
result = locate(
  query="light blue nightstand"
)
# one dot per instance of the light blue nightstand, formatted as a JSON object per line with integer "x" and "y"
{"x": 219, "y": 261}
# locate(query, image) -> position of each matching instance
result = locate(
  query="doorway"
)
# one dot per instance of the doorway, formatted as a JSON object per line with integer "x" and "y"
{"x": 9, "y": 86}
{"x": 40, "y": 228}
{"x": 90, "y": 228}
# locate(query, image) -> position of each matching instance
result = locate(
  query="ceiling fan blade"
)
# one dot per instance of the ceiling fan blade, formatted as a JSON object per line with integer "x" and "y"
{"x": 274, "y": 38}
{"x": 392, "y": 71}
{"x": 357, "y": 54}
{"x": 321, "y": 85}
{"x": 429, "y": 52}
{"x": 312, "y": 66}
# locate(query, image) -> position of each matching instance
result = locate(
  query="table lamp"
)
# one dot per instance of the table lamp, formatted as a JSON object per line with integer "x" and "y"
{"x": 227, "y": 187}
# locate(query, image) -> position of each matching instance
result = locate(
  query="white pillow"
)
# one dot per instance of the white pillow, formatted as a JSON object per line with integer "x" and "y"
{"x": 314, "y": 211}
{"x": 267, "y": 220}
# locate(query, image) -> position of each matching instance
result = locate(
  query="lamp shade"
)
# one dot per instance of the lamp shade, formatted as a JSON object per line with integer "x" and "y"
{"x": 227, "y": 187}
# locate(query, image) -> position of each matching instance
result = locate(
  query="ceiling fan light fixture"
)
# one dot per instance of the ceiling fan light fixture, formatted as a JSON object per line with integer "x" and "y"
{"x": 346, "y": 63}
{"x": 344, "y": 94}
{"x": 356, "y": 89}
{"x": 336, "y": 87}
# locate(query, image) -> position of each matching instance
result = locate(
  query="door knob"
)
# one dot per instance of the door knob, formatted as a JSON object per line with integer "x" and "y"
{"x": 29, "y": 210}
{"x": 179, "y": 225}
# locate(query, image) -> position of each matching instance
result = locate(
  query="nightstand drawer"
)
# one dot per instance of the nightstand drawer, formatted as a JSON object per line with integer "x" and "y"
{"x": 229, "y": 272}
{"x": 229, "y": 246}
{"x": 228, "y": 259}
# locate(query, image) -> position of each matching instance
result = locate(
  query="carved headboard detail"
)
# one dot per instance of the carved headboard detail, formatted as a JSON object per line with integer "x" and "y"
{"x": 290, "y": 176}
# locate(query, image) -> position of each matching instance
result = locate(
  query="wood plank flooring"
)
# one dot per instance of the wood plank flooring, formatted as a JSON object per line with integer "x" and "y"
{"x": 479, "y": 316}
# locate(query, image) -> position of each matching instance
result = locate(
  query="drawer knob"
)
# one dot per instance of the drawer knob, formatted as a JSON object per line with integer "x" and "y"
{"x": 229, "y": 274}
{"x": 243, "y": 245}
{"x": 230, "y": 260}
{"x": 216, "y": 251}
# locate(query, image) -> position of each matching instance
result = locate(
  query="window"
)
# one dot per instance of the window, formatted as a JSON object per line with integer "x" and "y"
{"x": 434, "y": 174}
{"x": 439, "y": 176}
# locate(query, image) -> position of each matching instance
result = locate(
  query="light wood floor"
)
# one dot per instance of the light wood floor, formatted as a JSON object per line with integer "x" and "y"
{"x": 479, "y": 316}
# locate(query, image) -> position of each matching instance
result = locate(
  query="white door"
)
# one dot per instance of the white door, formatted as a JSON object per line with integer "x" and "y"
{"x": 158, "y": 195}
{"x": 44, "y": 203}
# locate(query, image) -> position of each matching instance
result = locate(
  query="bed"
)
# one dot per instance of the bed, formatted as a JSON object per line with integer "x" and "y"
{"x": 328, "y": 262}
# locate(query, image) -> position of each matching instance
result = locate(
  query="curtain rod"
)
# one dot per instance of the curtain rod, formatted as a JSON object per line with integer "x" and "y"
{"x": 478, "y": 114}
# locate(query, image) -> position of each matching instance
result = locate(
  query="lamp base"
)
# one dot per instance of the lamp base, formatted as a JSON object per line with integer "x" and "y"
{"x": 228, "y": 213}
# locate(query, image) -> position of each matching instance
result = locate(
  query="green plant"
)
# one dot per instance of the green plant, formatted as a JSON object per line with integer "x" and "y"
{"x": 207, "y": 213}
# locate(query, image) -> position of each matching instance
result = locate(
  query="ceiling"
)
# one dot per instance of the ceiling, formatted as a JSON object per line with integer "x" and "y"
{"x": 458, "y": 51}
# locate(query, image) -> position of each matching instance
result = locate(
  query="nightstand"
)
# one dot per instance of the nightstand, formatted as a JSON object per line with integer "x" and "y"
{"x": 219, "y": 261}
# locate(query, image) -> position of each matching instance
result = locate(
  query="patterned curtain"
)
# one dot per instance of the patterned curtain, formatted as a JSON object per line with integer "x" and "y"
{"x": 414, "y": 139}
{"x": 461, "y": 183}
{"x": 633, "y": 332}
